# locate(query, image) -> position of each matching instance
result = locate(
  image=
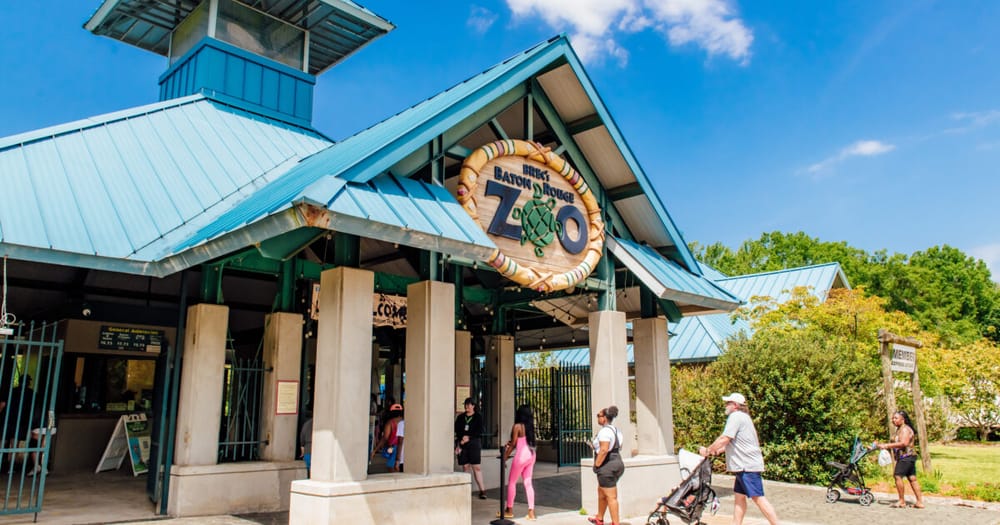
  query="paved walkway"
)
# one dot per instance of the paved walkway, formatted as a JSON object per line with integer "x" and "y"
{"x": 557, "y": 493}
{"x": 557, "y": 496}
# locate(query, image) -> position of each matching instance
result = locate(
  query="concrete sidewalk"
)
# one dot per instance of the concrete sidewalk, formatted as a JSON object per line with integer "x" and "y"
{"x": 557, "y": 497}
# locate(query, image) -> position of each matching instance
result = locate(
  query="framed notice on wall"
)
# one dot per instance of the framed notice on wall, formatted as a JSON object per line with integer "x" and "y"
{"x": 287, "y": 398}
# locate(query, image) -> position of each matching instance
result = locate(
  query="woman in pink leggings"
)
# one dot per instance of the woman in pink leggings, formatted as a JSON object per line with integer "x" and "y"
{"x": 522, "y": 444}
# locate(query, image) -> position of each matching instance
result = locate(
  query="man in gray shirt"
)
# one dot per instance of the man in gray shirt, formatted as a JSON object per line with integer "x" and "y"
{"x": 743, "y": 458}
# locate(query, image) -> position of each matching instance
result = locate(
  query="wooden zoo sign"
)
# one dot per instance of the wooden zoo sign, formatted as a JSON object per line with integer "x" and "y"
{"x": 538, "y": 210}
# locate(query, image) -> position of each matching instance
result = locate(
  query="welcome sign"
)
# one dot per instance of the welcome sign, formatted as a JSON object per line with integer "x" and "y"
{"x": 538, "y": 210}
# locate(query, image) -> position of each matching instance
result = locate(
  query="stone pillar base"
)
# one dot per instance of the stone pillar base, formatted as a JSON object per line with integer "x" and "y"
{"x": 389, "y": 499}
{"x": 646, "y": 479}
{"x": 231, "y": 488}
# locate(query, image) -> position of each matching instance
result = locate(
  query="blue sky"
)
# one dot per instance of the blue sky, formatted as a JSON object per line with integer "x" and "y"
{"x": 875, "y": 123}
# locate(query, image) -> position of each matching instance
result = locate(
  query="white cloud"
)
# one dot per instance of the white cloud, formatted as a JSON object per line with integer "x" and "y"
{"x": 481, "y": 19}
{"x": 711, "y": 24}
{"x": 973, "y": 119}
{"x": 990, "y": 254}
{"x": 595, "y": 25}
{"x": 861, "y": 148}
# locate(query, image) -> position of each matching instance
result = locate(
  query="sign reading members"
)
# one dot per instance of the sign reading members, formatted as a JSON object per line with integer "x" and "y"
{"x": 538, "y": 210}
{"x": 904, "y": 358}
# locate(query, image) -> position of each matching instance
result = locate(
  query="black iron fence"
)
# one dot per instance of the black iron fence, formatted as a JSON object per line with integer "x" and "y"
{"x": 560, "y": 400}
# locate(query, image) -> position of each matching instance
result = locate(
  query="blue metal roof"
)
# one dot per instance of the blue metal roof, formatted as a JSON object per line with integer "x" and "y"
{"x": 158, "y": 188}
{"x": 376, "y": 149}
{"x": 125, "y": 187}
{"x": 668, "y": 280}
{"x": 702, "y": 338}
{"x": 777, "y": 285}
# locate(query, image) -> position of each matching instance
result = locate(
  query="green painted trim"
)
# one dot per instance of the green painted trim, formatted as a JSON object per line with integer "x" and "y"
{"x": 453, "y": 136}
{"x": 286, "y": 297}
{"x": 670, "y": 310}
{"x": 626, "y": 191}
{"x": 287, "y": 245}
{"x": 346, "y": 249}
{"x": 458, "y": 152}
{"x": 647, "y": 302}
{"x": 529, "y": 117}
{"x": 211, "y": 282}
{"x": 584, "y": 124}
{"x": 498, "y": 129}
{"x": 459, "y": 297}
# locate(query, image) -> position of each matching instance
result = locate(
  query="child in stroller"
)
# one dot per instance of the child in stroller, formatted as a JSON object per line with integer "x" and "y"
{"x": 689, "y": 499}
{"x": 848, "y": 477}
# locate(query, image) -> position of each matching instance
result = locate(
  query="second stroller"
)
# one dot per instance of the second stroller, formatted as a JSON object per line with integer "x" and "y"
{"x": 848, "y": 477}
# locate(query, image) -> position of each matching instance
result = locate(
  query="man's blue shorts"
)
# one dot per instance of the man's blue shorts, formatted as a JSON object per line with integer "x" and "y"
{"x": 749, "y": 484}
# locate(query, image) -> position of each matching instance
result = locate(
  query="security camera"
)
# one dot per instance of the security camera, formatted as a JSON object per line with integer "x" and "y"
{"x": 86, "y": 311}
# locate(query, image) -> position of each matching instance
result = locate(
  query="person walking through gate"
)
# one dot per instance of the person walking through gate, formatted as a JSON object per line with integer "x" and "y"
{"x": 468, "y": 447}
{"x": 608, "y": 465}
{"x": 390, "y": 438}
{"x": 522, "y": 444}
{"x": 743, "y": 458}
{"x": 906, "y": 459}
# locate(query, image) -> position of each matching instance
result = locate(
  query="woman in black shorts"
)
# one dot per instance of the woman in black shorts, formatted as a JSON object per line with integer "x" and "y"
{"x": 906, "y": 458}
{"x": 608, "y": 465}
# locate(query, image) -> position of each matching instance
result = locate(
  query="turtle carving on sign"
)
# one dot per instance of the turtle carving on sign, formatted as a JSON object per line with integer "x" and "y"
{"x": 538, "y": 223}
{"x": 522, "y": 192}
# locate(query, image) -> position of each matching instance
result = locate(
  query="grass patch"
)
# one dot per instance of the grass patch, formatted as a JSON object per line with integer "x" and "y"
{"x": 966, "y": 470}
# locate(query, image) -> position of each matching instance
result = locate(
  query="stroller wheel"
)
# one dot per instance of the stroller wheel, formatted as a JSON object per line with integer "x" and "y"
{"x": 657, "y": 519}
{"x": 866, "y": 499}
{"x": 832, "y": 495}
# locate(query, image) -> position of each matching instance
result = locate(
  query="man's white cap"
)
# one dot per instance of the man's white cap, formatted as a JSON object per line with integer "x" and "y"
{"x": 735, "y": 397}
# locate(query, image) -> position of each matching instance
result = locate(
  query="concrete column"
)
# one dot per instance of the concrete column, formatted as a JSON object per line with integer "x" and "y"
{"x": 199, "y": 405}
{"x": 283, "y": 357}
{"x": 463, "y": 362}
{"x": 343, "y": 355}
{"x": 505, "y": 370}
{"x": 430, "y": 377}
{"x": 653, "y": 404}
{"x": 609, "y": 371}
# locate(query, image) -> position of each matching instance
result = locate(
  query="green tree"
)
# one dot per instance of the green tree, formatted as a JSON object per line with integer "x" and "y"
{"x": 944, "y": 289}
{"x": 970, "y": 381}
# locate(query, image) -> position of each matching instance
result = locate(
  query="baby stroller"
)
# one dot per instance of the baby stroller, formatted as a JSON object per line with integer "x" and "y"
{"x": 690, "y": 498}
{"x": 849, "y": 478}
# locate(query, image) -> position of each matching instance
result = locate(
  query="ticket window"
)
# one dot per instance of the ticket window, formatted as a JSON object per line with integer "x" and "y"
{"x": 107, "y": 385}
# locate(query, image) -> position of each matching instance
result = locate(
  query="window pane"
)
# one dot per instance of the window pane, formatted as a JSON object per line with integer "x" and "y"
{"x": 258, "y": 33}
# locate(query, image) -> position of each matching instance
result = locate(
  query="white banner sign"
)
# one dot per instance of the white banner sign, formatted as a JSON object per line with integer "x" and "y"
{"x": 389, "y": 310}
{"x": 904, "y": 358}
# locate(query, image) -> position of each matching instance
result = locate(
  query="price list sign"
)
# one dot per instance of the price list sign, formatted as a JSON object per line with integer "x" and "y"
{"x": 133, "y": 339}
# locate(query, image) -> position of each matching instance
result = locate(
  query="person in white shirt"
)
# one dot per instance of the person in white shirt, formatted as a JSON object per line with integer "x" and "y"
{"x": 743, "y": 458}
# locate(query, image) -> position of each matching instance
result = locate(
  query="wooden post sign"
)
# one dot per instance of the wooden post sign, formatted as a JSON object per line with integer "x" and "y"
{"x": 899, "y": 354}
{"x": 538, "y": 210}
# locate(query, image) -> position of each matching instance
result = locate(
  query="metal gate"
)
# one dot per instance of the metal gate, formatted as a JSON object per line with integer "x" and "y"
{"x": 560, "y": 399}
{"x": 29, "y": 377}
